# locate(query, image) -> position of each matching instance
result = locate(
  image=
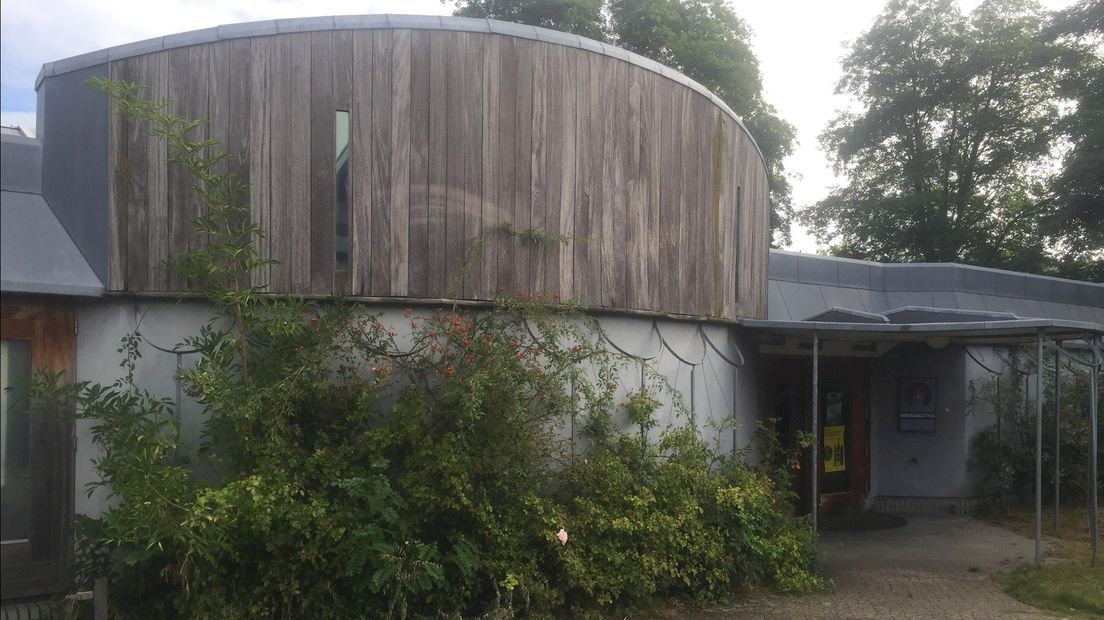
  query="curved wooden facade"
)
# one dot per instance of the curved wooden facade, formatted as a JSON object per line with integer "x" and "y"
{"x": 457, "y": 139}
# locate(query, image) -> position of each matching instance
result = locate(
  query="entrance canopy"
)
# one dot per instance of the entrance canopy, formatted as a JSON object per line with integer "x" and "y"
{"x": 993, "y": 332}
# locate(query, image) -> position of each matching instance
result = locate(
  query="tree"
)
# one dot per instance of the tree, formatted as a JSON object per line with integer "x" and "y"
{"x": 703, "y": 39}
{"x": 1077, "y": 220}
{"x": 946, "y": 156}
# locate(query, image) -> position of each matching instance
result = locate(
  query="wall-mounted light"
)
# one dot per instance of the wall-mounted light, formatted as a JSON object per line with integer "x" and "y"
{"x": 937, "y": 342}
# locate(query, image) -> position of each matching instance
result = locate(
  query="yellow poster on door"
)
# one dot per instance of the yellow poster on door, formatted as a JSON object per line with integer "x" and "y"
{"x": 834, "y": 451}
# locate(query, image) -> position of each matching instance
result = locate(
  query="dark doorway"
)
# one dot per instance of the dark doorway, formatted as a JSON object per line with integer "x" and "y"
{"x": 843, "y": 467}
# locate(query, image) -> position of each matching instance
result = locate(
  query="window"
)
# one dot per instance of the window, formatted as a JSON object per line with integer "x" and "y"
{"x": 36, "y": 453}
{"x": 341, "y": 194}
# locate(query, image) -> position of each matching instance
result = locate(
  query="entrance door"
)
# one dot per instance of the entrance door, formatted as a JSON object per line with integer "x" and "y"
{"x": 842, "y": 468}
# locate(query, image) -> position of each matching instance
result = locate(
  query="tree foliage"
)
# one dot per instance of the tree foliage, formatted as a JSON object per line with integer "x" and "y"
{"x": 703, "y": 39}
{"x": 1077, "y": 218}
{"x": 947, "y": 156}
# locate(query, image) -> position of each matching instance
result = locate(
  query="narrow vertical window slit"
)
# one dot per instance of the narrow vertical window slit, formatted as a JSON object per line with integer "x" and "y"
{"x": 341, "y": 191}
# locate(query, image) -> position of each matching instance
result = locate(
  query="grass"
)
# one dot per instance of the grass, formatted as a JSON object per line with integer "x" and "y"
{"x": 1065, "y": 582}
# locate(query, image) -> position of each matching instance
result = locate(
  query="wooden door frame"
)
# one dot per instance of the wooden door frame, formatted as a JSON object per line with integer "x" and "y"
{"x": 41, "y": 566}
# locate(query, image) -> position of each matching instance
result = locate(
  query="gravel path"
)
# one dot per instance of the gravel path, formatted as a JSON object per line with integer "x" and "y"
{"x": 934, "y": 567}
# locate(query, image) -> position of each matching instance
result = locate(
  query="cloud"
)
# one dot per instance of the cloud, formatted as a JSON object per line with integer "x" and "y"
{"x": 33, "y": 33}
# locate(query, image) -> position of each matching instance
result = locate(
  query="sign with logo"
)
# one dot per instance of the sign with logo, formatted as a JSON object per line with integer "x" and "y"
{"x": 916, "y": 404}
{"x": 835, "y": 454}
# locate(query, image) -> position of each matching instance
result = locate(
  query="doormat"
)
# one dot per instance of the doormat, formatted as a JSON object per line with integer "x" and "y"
{"x": 860, "y": 522}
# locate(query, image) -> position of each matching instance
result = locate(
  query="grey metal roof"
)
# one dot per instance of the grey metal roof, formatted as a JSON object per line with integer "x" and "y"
{"x": 36, "y": 253}
{"x": 20, "y": 164}
{"x": 804, "y": 286}
{"x": 349, "y": 22}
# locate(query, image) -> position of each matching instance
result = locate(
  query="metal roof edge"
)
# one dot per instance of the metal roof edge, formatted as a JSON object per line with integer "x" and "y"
{"x": 41, "y": 288}
{"x": 226, "y": 32}
{"x": 923, "y": 328}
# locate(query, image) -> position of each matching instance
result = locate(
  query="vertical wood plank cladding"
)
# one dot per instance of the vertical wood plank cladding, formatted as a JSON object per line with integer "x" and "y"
{"x": 581, "y": 264}
{"x": 260, "y": 149}
{"x": 158, "y": 215}
{"x": 506, "y": 162}
{"x": 300, "y": 187}
{"x": 400, "y": 167}
{"x": 670, "y": 187}
{"x": 454, "y": 135}
{"x": 343, "y": 100}
{"x": 454, "y": 173}
{"x": 362, "y": 153}
{"x": 279, "y": 233}
{"x": 218, "y": 97}
{"x": 380, "y": 135}
{"x": 686, "y": 272}
{"x": 117, "y": 188}
{"x": 471, "y": 101}
{"x": 569, "y": 167}
{"x": 598, "y": 104}
{"x": 442, "y": 135}
{"x": 708, "y": 210}
{"x": 551, "y": 128}
{"x": 240, "y": 59}
{"x": 616, "y": 162}
{"x": 420, "y": 95}
{"x": 322, "y": 111}
{"x": 490, "y": 173}
{"x": 653, "y": 156}
{"x": 538, "y": 162}
{"x": 635, "y": 214}
{"x": 522, "y": 162}
{"x": 188, "y": 68}
{"x": 136, "y": 159}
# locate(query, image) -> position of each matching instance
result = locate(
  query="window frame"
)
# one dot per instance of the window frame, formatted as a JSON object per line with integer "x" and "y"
{"x": 41, "y": 566}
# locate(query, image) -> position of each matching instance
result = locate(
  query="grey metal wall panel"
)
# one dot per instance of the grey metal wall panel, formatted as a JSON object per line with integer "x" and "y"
{"x": 1054, "y": 310}
{"x": 1089, "y": 295}
{"x": 1039, "y": 288}
{"x": 20, "y": 164}
{"x": 969, "y": 301}
{"x": 1010, "y": 284}
{"x": 981, "y": 281}
{"x": 74, "y": 161}
{"x": 930, "y": 277}
{"x": 776, "y": 303}
{"x": 854, "y": 274}
{"x": 897, "y": 299}
{"x": 782, "y": 266}
{"x": 895, "y": 278}
{"x": 817, "y": 270}
{"x": 874, "y": 301}
{"x": 802, "y": 300}
{"x": 1064, "y": 292}
{"x": 1028, "y": 308}
{"x": 944, "y": 299}
{"x": 841, "y": 297}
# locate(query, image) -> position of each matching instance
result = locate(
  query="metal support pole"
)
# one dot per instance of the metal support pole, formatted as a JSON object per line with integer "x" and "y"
{"x": 1039, "y": 449}
{"x": 693, "y": 409}
{"x": 1094, "y": 455}
{"x": 1057, "y": 438}
{"x": 814, "y": 472}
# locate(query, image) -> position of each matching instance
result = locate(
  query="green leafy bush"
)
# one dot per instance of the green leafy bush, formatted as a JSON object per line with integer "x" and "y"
{"x": 355, "y": 479}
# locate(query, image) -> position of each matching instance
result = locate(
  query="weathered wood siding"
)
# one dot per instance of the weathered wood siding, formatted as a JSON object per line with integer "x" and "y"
{"x": 459, "y": 142}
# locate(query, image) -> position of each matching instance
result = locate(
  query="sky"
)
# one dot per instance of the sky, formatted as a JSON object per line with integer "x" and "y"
{"x": 798, "y": 42}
